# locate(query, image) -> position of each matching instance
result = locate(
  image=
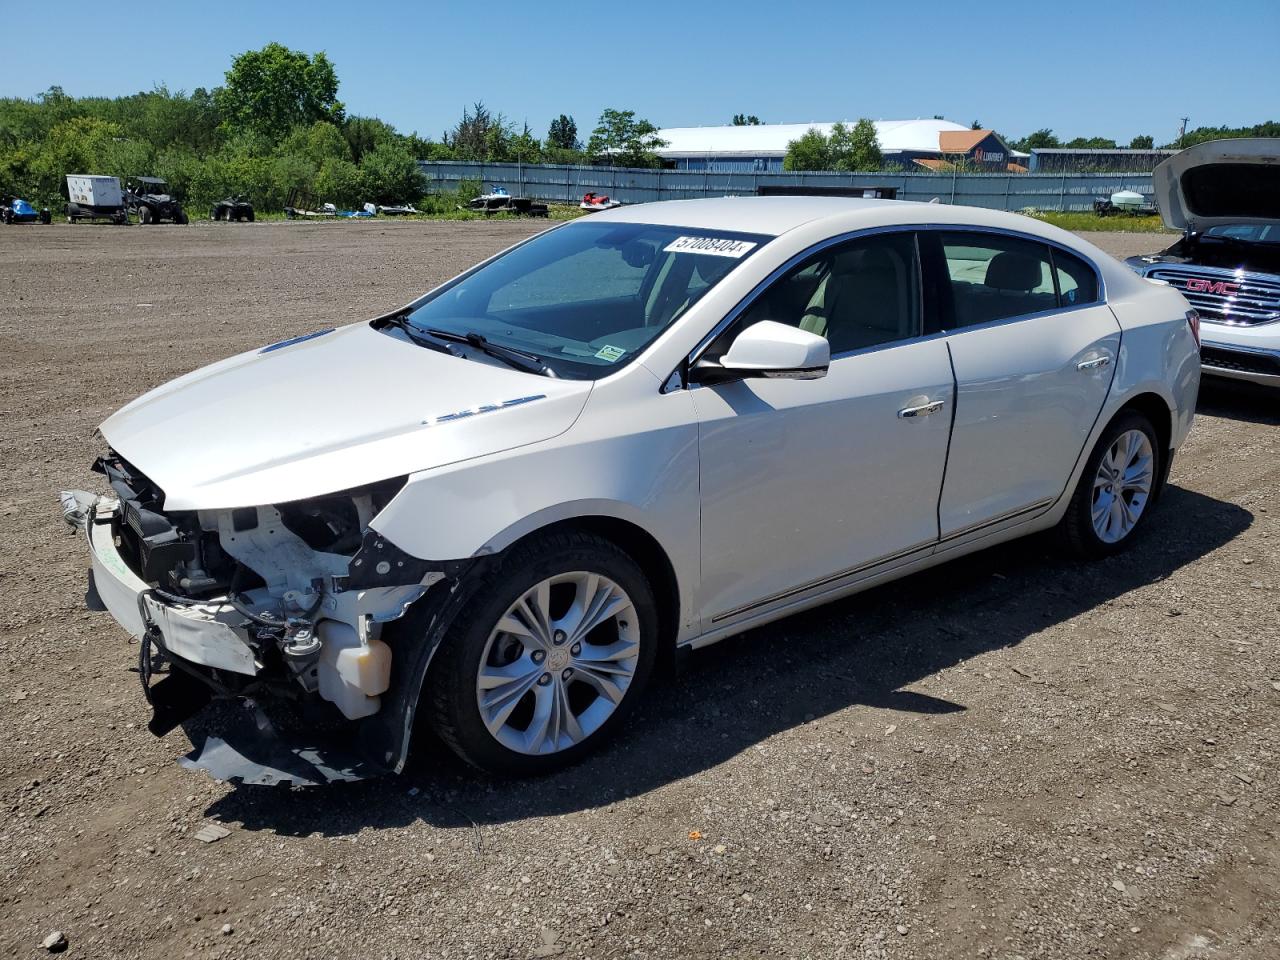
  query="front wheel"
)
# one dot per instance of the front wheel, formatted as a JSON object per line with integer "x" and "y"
{"x": 1115, "y": 491}
{"x": 549, "y": 657}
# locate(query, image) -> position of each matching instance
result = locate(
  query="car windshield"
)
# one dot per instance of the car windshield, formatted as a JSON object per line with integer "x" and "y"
{"x": 1247, "y": 232}
{"x": 588, "y": 297}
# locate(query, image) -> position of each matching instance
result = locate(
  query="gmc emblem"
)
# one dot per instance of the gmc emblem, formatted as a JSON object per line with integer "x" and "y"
{"x": 1220, "y": 287}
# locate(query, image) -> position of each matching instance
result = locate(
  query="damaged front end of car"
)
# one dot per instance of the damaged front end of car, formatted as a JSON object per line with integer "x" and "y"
{"x": 275, "y": 616}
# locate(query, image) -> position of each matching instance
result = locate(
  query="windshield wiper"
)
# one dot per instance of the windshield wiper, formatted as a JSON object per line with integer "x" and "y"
{"x": 518, "y": 359}
{"x": 401, "y": 322}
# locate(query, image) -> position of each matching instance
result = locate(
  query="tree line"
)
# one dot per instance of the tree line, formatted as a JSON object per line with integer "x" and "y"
{"x": 276, "y": 125}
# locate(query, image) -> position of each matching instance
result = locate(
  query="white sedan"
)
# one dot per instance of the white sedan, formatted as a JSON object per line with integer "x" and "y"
{"x": 495, "y": 510}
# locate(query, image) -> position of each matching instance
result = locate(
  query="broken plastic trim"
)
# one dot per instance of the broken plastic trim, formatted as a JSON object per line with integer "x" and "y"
{"x": 380, "y": 563}
{"x": 249, "y": 748}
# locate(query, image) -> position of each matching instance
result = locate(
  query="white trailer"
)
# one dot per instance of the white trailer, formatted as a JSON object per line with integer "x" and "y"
{"x": 93, "y": 197}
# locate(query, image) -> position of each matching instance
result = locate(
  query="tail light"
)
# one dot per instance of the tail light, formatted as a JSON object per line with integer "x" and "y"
{"x": 1193, "y": 321}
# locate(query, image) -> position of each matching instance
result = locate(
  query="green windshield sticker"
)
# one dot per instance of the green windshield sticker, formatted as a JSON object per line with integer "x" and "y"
{"x": 612, "y": 354}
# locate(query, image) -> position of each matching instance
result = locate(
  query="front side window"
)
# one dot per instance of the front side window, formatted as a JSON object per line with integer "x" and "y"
{"x": 589, "y": 297}
{"x": 859, "y": 294}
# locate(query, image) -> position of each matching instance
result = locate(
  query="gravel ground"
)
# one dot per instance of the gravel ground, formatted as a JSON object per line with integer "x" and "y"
{"x": 1011, "y": 756}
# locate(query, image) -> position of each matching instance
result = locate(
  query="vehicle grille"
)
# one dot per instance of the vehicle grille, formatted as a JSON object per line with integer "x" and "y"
{"x": 1240, "y": 362}
{"x": 1247, "y": 300}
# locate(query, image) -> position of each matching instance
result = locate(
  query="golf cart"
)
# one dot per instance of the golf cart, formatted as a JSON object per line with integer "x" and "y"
{"x": 18, "y": 210}
{"x": 234, "y": 207}
{"x": 148, "y": 198}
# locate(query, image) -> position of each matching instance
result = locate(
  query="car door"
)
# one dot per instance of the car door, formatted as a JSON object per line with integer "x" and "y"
{"x": 806, "y": 483}
{"x": 1034, "y": 347}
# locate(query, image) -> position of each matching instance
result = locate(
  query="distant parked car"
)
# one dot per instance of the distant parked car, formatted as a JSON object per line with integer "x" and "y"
{"x": 232, "y": 208}
{"x": 148, "y": 199}
{"x": 1224, "y": 196}
{"x": 648, "y": 429}
{"x": 18, "y": 210}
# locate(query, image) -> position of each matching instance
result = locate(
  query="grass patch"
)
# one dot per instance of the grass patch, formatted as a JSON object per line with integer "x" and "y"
{"x": 1084, "y": 222}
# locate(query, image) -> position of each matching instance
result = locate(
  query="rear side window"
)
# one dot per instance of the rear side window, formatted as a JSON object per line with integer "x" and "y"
{"x": 1077, "y": 281}
{"x": 994, "y": 277}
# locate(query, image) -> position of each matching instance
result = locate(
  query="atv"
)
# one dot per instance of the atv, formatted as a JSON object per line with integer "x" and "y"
{"x": 233, "y": 208}
{"x": 149, "y": 200}
{"x": 18, "y": 210}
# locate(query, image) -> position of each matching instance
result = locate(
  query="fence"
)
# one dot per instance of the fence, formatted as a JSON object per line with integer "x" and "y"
{"x": 566, "y": 184}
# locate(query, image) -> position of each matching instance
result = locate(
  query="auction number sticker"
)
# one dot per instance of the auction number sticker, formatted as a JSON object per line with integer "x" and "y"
{"x": 710, "y": 246}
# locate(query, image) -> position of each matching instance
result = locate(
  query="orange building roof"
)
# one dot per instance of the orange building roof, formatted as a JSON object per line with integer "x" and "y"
{"x": 961, "y": 141}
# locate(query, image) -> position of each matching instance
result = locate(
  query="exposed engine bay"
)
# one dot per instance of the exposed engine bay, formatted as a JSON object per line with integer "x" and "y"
{"x": 280, "y": 602}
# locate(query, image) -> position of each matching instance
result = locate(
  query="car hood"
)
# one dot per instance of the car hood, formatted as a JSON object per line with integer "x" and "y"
{"x": 327, "y": 412}
{"x": 1220, "y": 182}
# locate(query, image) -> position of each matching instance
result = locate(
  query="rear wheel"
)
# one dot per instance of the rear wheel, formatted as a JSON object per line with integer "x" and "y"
{"x": 549, "y": 657}
{"x": 1115, "y": 491}
{"x": 248, "y": 215}
{"x": 181, "y": 216}
{"x": 144, "y": 215}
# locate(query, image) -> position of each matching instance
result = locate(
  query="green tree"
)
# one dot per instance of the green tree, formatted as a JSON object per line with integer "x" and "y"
{"x": 364, "y": 134}
{"x": 525, "y": 148}
{"x": 811, "y": 151}
{"x": 1142, "y": 142}
{"x": 481, "y": 135}
{"x": 274, "y": 89}
{"x": 563, "y": 134}
{"x": 745, "y": 120}
{"x": 340, "y": 182}
{"x": 860, "y": 149}
{"x": 847, "y": 149}
{"x": 1091, "y": 143}
{"x": 1041, "y": 139}
{"x": 624, "y": 141}
{"x": 391, "y": 175}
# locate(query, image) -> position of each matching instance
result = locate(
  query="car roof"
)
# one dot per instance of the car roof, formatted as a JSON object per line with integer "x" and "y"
{"x": 763, "y": 215}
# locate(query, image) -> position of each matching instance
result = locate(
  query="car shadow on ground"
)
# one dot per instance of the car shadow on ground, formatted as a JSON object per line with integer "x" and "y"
{"x": 862, "y": 651}
{"x": 1238, "y": 400}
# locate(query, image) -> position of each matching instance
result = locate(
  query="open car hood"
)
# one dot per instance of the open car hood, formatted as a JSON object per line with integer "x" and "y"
{"x": 1220, "y": 182}
{"x": 327, "y": 412}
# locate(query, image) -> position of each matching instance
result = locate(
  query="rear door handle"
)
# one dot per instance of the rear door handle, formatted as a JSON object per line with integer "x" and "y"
{"x": 933, "y": 406}
{"x": 1093, "y": 364}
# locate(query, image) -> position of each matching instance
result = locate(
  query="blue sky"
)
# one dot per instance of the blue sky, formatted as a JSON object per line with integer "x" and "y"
{"x": 1085, "y": 68}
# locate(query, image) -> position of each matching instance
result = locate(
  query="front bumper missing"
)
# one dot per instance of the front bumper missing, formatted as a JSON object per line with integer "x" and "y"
{"x": 213, "y": 664}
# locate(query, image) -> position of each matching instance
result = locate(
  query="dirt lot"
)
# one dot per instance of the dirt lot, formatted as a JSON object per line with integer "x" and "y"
{"x": 1011, "y": 756}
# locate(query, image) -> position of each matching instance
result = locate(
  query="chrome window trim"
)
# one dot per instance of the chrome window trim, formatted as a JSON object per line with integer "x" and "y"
{"x": 778, "y": 272}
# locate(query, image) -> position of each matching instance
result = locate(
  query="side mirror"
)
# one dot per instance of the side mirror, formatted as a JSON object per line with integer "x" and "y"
{"x": 768, "y": 349}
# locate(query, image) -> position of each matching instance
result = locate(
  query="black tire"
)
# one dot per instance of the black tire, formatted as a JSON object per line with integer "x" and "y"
{"x": 1076, "y": 528}
{"x": 144, "y": 215}
{"x": 181, "y": 217}
{"x": 450, "y": 690}
{"x": 46, "y": 217}
{"x": 249, "y": 215}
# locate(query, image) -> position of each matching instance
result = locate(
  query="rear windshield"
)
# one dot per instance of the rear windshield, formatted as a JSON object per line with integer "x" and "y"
{"x": 588, "y": 297}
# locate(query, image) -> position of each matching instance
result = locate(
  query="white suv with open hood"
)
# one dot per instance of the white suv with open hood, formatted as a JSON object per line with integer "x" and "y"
{"x": 500, "y": 507}
{"x": 1225, "y": 197}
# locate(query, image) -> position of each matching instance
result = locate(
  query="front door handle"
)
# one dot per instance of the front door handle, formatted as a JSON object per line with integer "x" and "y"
{"x": 1093, "y": 364}
{"x": 933, "y": 406}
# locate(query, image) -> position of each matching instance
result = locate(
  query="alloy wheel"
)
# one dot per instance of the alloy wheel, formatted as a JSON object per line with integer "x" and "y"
{"x": 1122, "y": 486}
{"x": 558, "y": 663}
